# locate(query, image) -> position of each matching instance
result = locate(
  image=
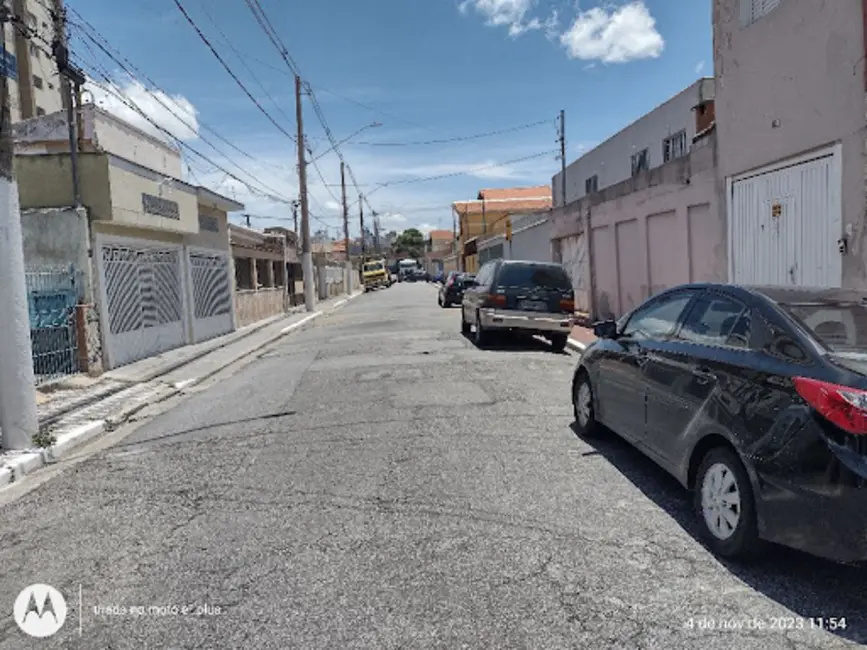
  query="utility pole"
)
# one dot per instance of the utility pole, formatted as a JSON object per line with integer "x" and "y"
{"x": 69, "y": 76}
{"x": 306, "y": 255}
{"x": 346, "y": 227}
{"x": 18, "y": 417}
{"x": 361, "y": 223}
{"x": 563, "y": 154}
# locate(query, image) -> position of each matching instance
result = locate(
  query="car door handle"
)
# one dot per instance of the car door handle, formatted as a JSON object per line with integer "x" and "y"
{"x": 703, "y": 375}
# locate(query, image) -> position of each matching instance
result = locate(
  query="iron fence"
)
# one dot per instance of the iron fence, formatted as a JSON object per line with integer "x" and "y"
{"x": 52, "y": 295}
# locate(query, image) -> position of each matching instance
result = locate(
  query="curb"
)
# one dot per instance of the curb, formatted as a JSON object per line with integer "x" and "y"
{"x": 29, "y": 460}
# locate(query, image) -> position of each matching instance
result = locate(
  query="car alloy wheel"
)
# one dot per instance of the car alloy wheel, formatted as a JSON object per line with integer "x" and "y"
{"x": 725, "y": 506}
{"x": 481, "y": 334}
{"x": 720, "y": 501}
{"x": 582, "y": 405}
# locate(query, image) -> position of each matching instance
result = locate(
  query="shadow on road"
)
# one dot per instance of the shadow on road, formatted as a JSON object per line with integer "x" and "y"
{"x": 810, "y": 587}
{"x": 502, "y": 342}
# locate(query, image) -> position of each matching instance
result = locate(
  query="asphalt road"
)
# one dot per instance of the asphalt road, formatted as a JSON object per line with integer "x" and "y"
{"x": 375, "y": 481}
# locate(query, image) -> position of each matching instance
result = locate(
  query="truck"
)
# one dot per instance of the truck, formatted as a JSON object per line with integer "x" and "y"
{"x": 374, "y": 274}
{"x": 407, "y": 269}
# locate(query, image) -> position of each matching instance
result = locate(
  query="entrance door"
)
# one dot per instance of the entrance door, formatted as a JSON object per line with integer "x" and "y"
{"x": 785, "y": 224}
{"x": 212, "y": 294}
{"x": 142, "y": 298}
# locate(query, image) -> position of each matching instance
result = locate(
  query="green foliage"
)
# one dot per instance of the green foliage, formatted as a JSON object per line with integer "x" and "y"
{"x": 411, "y": 243}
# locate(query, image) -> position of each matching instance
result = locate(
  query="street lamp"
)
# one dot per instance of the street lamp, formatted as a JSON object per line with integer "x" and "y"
{"x": 372, "y": 125}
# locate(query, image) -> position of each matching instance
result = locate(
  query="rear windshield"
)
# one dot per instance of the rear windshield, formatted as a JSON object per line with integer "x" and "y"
{"x": 840, "y": 327}
{"x": 530, "y": 275}
{"x": 373, "y": 267}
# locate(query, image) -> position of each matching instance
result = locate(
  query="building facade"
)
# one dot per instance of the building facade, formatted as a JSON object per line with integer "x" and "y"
{"x": 31, "y": 74}
{"x": 790, "y": 116}
{"x": 662, "y": 135}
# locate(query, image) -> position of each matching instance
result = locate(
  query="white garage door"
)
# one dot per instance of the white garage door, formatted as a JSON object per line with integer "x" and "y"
{"x": 212, "y": 293}
{"x": 143, "y": 305}
{"x": 784, "y": 225}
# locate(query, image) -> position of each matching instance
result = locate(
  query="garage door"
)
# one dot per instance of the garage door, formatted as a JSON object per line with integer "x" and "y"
{"x": 212, "y": 293}
{"x": 143, "y": 306}
{"x": 785, "y": 224}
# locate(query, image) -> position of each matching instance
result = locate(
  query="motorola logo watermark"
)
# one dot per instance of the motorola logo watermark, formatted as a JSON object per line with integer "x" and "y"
{"x": 40, "y": 610}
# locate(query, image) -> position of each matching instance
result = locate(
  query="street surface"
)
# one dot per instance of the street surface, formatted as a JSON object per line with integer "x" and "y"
{"x": 374, "y": 481}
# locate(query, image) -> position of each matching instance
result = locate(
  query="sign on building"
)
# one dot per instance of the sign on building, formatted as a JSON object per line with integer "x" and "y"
{"x": 8, "y": 64}
{"x": 160, "y": 207}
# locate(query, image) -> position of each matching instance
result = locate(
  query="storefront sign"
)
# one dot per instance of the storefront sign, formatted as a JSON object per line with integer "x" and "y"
{"x": 160, "y": 207}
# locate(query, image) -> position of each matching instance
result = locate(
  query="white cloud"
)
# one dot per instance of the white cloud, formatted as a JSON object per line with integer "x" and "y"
{"x": 615, "y": 35}
{"x": 699, "y": 67}
{"x": 513, "y": 14}
{"x": 176, "y": 114}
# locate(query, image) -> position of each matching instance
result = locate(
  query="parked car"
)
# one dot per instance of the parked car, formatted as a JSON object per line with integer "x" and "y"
{"x": 451, "y": 292}
{"x": 519, "y": 296}
{"x": 755, "y": 398}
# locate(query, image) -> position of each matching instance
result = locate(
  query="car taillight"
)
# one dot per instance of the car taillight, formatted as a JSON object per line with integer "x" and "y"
{"x": 567, "y": 305}
{"x": 495, "y": 300}
{"x": 842, "y": 405}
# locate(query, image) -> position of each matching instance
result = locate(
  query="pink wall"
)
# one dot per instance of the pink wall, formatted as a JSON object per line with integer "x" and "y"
{"x": 658, "y": 230}
{"x": 791, "y": 82}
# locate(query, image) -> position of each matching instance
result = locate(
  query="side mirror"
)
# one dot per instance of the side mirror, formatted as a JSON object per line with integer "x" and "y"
{"x": 606, "y": 329}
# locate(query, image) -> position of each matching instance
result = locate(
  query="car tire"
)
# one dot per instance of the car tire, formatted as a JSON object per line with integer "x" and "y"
{"x": 440, "y": 301}
{"x": 582, "y": 406}
{"x": 482, "y": 336}
{"x": 465, "y": 326}
{"x": 713, "y": 497}
{"x": 558, "y": 342}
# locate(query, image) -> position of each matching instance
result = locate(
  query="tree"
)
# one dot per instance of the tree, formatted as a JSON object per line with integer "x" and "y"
{"x": 410, "y": 242}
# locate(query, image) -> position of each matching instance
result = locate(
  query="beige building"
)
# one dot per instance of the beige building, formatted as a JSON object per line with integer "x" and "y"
{"x": 161, "y": 272}
{"x": 33, "y": 80}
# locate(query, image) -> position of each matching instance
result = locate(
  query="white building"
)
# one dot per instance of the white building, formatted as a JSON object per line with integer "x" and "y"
{"x": 662, "y": 135}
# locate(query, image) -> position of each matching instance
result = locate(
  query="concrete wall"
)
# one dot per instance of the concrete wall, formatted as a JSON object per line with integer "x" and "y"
{"x": 660, "y": 229}
{"x": 252, "y": 306}
{"x": 115, "y": 136}
{"x": 531, "y": 239}
{"x": 46, "y": 182}
{"x": 791, "y": 82}
{"x": 207, "y": 239}
{"x": 128, "y": 183}
{"x": 611, "y": 161}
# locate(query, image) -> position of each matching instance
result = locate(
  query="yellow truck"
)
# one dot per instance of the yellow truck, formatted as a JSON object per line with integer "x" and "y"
{"x": 374, "y": 275}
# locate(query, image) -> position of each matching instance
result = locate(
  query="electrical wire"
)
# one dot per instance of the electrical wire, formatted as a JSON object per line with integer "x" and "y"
{"x": 464, "y": 138}
{"x": 225, "y": 65}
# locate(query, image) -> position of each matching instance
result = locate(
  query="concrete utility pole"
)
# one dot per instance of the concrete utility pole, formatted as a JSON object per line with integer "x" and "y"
{"x": 18, "y": 417}
{"x": 376, "y": 232}
{"x": 563, "y": 154}
{"x": 346, "y": 227}
{"x": 69, "y": 76}
{"x": 295, "y": 216}
{"x": 361, "y": 223}
{"x": 306, "y": 254}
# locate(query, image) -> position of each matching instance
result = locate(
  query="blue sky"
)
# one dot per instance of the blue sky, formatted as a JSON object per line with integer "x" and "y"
{"x": 425, "y": 69}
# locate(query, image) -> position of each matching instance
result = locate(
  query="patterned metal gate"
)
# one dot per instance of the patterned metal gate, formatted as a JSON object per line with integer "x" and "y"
{"x": 52, "y": 294}
{"x": 143, "y": 304}
{"x": 212, "y": 294}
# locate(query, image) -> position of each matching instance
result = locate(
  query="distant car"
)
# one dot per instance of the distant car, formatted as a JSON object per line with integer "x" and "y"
{"x": 519, "y": 296}
{"x": 451, "y": 291}
{"x": 755, "y": 398}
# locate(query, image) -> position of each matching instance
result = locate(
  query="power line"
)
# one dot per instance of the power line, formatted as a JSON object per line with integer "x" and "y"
{"x": 229, "y": 70}
{"x": 464, "y": 138}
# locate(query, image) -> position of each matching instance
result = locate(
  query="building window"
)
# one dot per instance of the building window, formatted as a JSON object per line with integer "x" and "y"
{"x": 591, "y": 184}
{"x": 40, "y": 110}
{"x": 640, "y": 162}
{"x": 674, "y": 146}
{"x": 37, "y": 82}
{"x": 752, "y": 10}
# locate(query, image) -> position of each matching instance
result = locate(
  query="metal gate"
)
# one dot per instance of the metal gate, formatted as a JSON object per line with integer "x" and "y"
{"x": 210, "y": 274}
{"x": 52, "y": 294}
{"x": 143, "y": 305}
{"x": 573, "y": 256}
{"x": 784, "y": 225}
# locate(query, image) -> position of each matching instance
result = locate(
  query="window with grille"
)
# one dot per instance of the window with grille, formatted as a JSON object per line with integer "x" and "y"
{"x": 753, "y": 10}
{"x": 674, "y": 146}
{"x": 591, "y": 184}
{"x": 640, "y": 162}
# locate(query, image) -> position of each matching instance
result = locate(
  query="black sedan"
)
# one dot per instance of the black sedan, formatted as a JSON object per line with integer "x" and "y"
{"x": 452, "y": 290}
{"x": 755, "y": 398}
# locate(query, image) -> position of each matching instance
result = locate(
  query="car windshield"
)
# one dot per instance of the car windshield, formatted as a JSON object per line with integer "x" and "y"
{"x": 373, "y": 267}
{"x": 534, "y": 275}
{"x": 839, "y": 326}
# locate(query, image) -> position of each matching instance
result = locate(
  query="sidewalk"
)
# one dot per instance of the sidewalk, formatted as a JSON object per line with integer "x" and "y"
{"x": 580, "y": 338}
{"x": 82, "y": 408}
